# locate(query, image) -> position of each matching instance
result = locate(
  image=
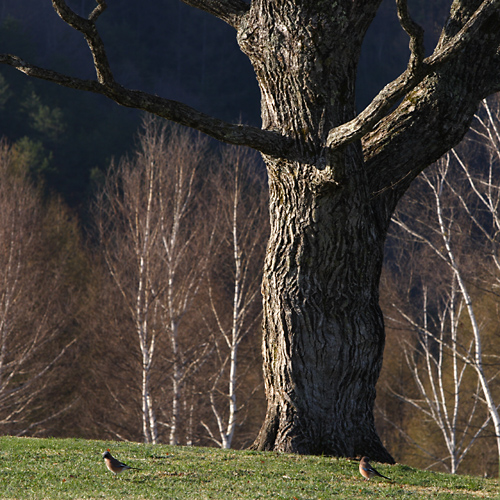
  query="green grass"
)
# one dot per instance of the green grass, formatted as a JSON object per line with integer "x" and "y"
{"x": 73, "y": 468}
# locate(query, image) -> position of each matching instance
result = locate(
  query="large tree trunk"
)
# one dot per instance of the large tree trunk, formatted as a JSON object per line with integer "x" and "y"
{"x": 323, "y": 334}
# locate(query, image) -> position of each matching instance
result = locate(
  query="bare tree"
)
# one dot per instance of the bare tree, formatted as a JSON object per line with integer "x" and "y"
{"x": 240, "y": 200}
{"x": 148, "y": 229}
{"x": 460, "y": 229}
{"x": 32, "y": 315}
{"x": 335, "y": 178}
{"x": 185, "y": 246}
{"x": 128, "y": 230}
{"x": 445, "y": 399}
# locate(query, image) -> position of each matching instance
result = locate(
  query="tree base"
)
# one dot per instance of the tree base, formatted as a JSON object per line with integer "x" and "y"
{"x": 364, "y": 441}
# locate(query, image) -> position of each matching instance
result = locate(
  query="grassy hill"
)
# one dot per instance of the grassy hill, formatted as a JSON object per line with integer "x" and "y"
{"x": 73, "y": 468}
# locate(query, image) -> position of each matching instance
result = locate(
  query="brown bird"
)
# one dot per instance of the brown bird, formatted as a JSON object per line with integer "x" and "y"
{"x": 367, "y": 471}
{"x": 113, "y": 464}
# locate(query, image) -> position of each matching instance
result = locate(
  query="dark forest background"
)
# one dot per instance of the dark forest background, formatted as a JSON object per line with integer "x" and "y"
{"x": 63, "y": 145}
{"x": 159, "y": 46}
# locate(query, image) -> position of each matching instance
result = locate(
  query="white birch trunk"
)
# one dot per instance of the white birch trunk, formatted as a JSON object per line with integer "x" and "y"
{"x": 244, "y": 243}
{"x": 146, "y": 340}
{"x": 183, "y": 269}
{"x": 476, "y": 360}
{"x": 235, "y": 339}
{"x": 487, "y": 196}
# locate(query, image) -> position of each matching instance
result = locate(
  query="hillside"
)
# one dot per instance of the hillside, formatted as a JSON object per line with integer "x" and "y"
{"x": 71, "y": 468}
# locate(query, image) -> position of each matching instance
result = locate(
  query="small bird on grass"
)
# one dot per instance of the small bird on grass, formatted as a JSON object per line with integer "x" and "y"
{"x": 113, "y": 464}
{"x": 367, "y": 471}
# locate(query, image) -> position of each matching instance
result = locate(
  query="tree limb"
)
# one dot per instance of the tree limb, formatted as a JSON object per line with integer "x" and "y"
{"x": 267, "y": 142}
{"x": 416, "y": 34}
{"x": 412, "y": 137}
{"x": 88, "y": 28}
{"x": 229, "y": 11}
{"x": 362, "y": 14}
{"x": 415, "y": 73}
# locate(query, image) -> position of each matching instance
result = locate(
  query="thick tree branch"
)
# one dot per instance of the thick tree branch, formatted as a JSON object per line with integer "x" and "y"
{"x": 362, "y": 14}
{"x": 461, "y": 11}
{"x": 229, "y": 11}
{"x": 413, "y": 136}
{"x": 267, "y": 142}
{"x": 468, "y": 32}
{"x": 414, "y": 74}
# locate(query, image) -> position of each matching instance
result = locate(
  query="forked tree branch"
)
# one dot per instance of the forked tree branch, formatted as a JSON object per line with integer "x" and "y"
{"x": 89, "y": 30}
{"x": 267, "y": 142}
{"x": 416, "y": 71}
{"x": 361, "y": 16}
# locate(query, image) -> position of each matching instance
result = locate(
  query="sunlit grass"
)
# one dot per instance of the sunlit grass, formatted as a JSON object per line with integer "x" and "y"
{"x": 73, "y": 468}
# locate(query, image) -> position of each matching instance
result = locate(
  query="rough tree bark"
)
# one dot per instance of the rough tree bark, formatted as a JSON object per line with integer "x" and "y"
{"x": 335, "y": 178}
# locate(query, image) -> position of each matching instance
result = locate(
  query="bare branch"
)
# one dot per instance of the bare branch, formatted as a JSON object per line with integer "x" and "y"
{"x": 416, "y": 34}
{"x": 88, "y": 28}
{"x": 100, "y": 8}
{"x": 229, "y": 11}
{"x": 362, "y": 14}
{"x": 267, "y": 142}
{"x": 414, "y": 74}
{"x": 455, "y": 215}
{"x": 409, "y": 439}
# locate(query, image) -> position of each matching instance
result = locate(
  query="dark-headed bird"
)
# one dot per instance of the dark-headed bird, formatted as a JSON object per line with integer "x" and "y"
{"x": 367, "y": 471}
{"x": 113, "y": 464}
